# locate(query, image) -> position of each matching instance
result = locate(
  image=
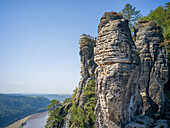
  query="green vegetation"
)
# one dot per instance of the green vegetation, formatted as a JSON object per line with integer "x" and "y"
{"x": 84, "y": 117}
{"x": 60, "y": 97}
{"x": 129, "y": 12}
{"x": 13, "y": 108}
{"x": 56, "y": 115}
{"x": 67, "y": 100}
{"x": 84, "y": 40}
{"x": 137, "y": 52}
{"x": 161, "y": 15}
{"x": 53, "y": 110}
{"x": 80, "y": 117}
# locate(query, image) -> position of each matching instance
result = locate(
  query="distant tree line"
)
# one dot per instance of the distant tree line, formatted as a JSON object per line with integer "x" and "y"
{"x": 13, "y": 108}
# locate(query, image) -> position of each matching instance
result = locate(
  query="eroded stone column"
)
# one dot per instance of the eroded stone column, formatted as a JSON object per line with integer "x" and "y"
{"x": 118, "y": 98}
{"x": 154, "y": 67}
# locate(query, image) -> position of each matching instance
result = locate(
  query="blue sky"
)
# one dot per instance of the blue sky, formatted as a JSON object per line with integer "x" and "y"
{"x": 39, "y": 50}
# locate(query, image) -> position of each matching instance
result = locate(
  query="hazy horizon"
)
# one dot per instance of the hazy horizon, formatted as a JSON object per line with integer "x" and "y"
{"x": 40, "y": 93}
{"x": 39, "y": 49}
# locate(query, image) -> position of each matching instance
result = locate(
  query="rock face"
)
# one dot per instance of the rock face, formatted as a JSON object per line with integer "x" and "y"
{"x": 130, "y": 77}
{"x": 117, "y": 74}
{"x": 154, "y": 68}
{"x": 87, "y": 44}
{"x": 88, "y": 66}
{"x": 147, "y": 122}
{"x": 64, "y": 113}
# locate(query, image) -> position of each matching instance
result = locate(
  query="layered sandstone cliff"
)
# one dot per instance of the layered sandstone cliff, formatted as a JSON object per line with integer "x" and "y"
{"x": 117, "y": 74}
{"x": 154, "y": 66}
{"x": 87, "y": 44}
{"x": 130, "y": 76}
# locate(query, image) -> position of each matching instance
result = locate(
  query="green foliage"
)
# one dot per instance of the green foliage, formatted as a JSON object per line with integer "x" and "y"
{"x": 14, "y": 108}
{"x": 74, "y": 95}
{"x": 90, "y": 104}
{"x": 85, "y": 40}
{"x": 137, "y": 52}
{"x": 54, "y": 113}
{"x": 66, "y": 100}
{"x": 84, "y": 117}
{"x": 54, "y": 105}
{"x": 161, "y": 15}
{"x": 80, "y": 41}
{"x": 129, "y": 12}
{"x": 77, "y": 118}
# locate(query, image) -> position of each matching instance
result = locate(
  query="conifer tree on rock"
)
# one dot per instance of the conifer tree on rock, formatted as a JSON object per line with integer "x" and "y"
{"x": 129, "y": 12}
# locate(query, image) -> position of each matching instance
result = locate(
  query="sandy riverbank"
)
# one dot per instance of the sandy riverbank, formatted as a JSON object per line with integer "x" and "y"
{"x": 37, "y": 120}
{"x": 18, "y": 123}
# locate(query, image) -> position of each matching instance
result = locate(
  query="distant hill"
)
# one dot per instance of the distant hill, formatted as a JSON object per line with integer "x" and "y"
{"x": 15, "y": 107}
{"x": 60, "y": 97}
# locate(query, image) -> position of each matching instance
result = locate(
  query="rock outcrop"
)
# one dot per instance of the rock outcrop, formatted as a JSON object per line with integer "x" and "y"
{"x": 117, "y": 74}
{"x": 79, "y": 98}
{"x": 154, "y": 68}
{"x": 147, "y": 122}
{"x": 87, "y": 44}
{"x": 130, "y": 78}
{"x": 63, "y": 112}
{"x": 85, "y": 93}
{"x": 126, "y": 68}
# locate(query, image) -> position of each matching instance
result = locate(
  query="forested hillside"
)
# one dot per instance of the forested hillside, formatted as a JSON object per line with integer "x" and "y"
{"x": 60, "y": 97}
{"x": 13, "y": 108}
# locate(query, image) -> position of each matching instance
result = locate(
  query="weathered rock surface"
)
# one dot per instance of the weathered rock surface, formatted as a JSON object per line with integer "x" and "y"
{"x": 154, "y": 68}
{"x": 141, "y": 122}
{"x": 166, "y": 114}
{"x": 161, "y": 124}
{"x": 87, "y": 44}
{"x": 118, "y": 99}
{"x": 147, "y": 122}
{"x": 130, "y": 76}
{"x": 63, "y": 112}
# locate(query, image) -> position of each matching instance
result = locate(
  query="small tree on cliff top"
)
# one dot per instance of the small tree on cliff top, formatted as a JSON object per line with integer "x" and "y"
{"x": 131, "y": 14}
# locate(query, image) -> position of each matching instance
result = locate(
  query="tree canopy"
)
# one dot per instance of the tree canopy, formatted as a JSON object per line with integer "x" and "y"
{"x": 129, "y": 12}
{"x": 161, "y": 15}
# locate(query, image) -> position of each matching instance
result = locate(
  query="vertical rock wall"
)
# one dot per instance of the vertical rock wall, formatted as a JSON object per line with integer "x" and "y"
{"x": 130, "y": 76}
{"x": 154, "y": 68}
{"x": 88, "y": 65}
{"x": 117, "y": 74}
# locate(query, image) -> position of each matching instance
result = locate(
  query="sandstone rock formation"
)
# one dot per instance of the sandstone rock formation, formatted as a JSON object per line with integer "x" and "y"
{"x": 125, "y": 68}
{"x": 130, "y": 76}
{"x": 87, "y": 44}
{"x": 154, "y": 68}
{"x": 63, "y": 112}
{"x": 147, "y": 122}
{"x": 117, "y": 74}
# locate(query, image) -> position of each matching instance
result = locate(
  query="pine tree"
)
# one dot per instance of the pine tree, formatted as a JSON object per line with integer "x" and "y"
{"x": 131, "y": 14}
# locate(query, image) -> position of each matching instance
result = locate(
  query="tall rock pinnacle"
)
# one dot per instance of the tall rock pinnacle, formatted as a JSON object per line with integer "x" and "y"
{"x": 88, "y": 65}
{"x": 117, "y": 74}
{"x": 154, "y": 66}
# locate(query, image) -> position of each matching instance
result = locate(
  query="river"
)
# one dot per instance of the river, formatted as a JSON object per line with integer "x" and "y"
{"x": 37, "y": 120}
